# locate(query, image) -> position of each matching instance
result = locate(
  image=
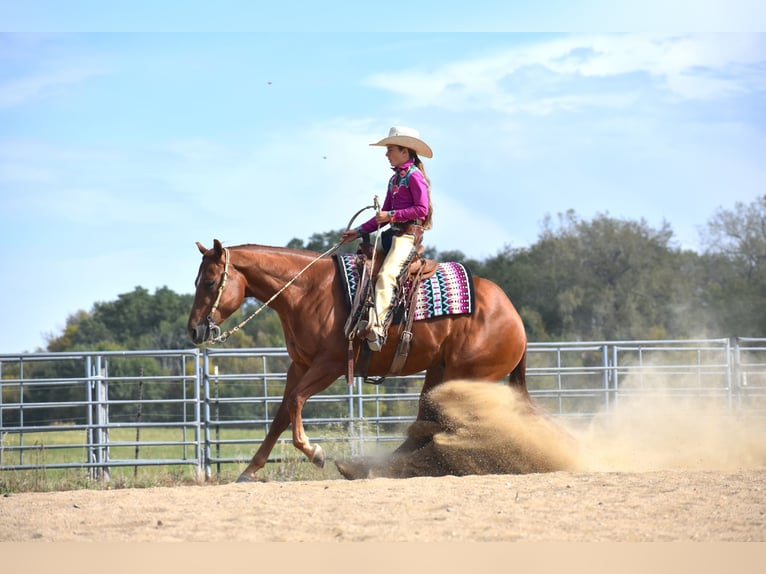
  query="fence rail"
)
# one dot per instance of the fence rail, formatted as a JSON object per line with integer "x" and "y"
{"x": 211, "y": 407}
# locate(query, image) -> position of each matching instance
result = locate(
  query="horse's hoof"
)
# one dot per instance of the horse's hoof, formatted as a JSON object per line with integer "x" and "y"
{"x": 317, "y": 457}
{"x": 345, "y": 470}
{"x": 245, "y": 478}
{"x": 353, "y": 470}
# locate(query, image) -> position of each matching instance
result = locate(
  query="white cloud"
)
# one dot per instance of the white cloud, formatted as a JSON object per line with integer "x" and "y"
{"x": 688, "y": 67}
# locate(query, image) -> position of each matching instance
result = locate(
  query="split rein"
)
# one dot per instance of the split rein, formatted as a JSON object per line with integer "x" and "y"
{"x": 215, "y": 335}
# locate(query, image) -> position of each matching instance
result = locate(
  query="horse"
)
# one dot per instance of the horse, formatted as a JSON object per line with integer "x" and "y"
{"x": 489, "y": 344}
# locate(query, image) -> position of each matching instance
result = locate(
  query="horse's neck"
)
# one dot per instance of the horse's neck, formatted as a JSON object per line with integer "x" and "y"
{"x": 268, "y": 270}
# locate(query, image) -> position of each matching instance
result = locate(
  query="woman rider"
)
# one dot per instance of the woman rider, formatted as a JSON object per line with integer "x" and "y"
{"x": 407, "y": 210}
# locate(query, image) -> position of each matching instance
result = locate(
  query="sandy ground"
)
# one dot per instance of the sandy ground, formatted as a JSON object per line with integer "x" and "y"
{"x": 655, "y": 471}
{"x": 559, "y": 506}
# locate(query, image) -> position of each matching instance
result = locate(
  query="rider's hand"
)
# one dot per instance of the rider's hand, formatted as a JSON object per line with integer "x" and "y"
{"x": 348, "y": 235}
{"x": 382, "y": 217}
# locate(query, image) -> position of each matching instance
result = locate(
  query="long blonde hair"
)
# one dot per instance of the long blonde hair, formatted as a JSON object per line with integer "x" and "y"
{"x": 419, "y": 164}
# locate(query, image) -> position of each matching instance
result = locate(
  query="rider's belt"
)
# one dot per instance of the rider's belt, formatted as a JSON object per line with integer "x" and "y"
{"x": 402, "y": 225}
{"x": 413, "y": 227}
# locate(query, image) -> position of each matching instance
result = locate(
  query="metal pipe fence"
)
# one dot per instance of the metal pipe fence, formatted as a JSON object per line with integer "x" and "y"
{"x": 205, "y": 408}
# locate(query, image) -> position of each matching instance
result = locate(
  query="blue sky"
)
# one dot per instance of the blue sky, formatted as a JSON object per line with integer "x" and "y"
{"x": 119, "y": 150}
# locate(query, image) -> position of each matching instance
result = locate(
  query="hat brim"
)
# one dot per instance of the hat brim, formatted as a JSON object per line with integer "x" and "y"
{"x": 421, "y": 148}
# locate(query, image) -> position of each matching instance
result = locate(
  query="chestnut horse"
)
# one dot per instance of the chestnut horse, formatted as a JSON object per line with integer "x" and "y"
{"x": 487, "y": 345}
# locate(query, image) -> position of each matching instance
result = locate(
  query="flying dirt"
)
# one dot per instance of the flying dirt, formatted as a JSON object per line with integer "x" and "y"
{"x": 487, "y": 428}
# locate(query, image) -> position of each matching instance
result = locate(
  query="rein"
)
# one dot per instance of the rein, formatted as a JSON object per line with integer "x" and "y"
{"x": 215, "y": 331}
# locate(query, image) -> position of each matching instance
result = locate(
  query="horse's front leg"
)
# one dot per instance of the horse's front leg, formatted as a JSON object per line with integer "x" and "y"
{"x": 316, "y": 379}
{"x": 276, "y": 428}
{"x": 301, "y": 384}
{"x": 261, "y": 457}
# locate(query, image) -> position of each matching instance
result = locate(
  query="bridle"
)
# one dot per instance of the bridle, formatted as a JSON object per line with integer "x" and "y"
{"x": 213, "y": 329}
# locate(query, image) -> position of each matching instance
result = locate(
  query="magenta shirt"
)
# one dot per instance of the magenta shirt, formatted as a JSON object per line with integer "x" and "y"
{"x": 406, "y": 201}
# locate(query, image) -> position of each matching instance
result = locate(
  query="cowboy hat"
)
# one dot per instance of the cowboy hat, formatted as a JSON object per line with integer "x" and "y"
{"x": 406, "y": 137}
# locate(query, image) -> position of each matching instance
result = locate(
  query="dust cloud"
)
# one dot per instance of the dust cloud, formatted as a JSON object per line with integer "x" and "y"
{"x": 664, "y": 430}
{"x": 488, "y": 428}
{"x": 482, "y": 428}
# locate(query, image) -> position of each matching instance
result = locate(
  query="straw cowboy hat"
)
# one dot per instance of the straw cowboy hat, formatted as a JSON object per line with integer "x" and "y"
{"x": 406, "y": 137}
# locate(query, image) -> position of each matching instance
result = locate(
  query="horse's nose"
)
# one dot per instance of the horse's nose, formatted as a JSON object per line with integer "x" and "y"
{"x": 198, "y": 334}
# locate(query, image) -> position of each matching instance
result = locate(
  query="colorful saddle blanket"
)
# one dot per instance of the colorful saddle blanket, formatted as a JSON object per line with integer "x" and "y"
{"x": 449, "y": 291}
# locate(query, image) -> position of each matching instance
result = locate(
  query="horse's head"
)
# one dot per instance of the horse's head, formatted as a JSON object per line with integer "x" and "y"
{"x": 220, "y": 290}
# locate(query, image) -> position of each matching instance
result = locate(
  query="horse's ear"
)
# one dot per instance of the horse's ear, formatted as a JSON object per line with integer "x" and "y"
{"x": 218, "y": 248}
{"x": 202, "y": 248}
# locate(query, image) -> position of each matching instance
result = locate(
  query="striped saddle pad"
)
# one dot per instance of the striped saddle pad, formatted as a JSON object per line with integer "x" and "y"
{"x": 449, "y": 291}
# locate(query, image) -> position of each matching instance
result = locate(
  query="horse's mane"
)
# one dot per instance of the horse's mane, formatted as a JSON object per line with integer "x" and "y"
{"x": 276, "y": 250}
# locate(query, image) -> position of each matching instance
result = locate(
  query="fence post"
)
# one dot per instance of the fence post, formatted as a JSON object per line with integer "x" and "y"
{"x": 735, "y": 373}
{"x": 102, "y": 420}
{"x": 89, "y": 417}
{"x": 199, "y": 444}
{"x": 98, "y": 434}
{"x": 605, "y": 366}
{"x": 206, "y": 412}
{"x": 615, "y": 369}
{"x": 729, "y": 389}
{"x": 21, "y": 411}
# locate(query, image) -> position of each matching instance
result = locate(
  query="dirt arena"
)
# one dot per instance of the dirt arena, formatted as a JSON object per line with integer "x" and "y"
{"x": 648, "y": 471}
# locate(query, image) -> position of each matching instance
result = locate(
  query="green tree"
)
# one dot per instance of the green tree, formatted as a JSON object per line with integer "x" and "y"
{"x": 601, "y": 279}
{"x": 735, "y": 268}
{"x": 739, "y": 235}
{"x": 321, "y": 242}
{"x": 136, "y": 320}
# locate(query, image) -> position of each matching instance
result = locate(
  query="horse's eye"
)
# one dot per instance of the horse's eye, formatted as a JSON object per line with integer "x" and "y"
{"x": 209, "y": 283}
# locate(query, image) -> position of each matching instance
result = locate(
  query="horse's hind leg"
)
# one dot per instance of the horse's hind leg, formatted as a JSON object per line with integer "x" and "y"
{"x": 517, "y": 380}
{"x": 421, "y": 432}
